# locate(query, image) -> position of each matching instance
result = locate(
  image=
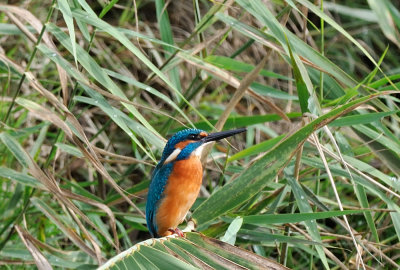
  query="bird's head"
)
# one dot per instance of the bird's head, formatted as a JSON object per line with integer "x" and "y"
{"x": 191, "y": 141}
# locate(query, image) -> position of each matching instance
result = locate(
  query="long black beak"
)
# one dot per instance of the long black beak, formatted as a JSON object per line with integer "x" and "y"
{"x": 223, "y": 134}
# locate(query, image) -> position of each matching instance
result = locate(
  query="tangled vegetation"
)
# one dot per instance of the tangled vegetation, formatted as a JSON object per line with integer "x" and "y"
{"x": 91, "y": 90}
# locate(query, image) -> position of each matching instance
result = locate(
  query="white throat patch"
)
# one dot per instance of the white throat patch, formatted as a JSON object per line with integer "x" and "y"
{"x": 199, "y": 150}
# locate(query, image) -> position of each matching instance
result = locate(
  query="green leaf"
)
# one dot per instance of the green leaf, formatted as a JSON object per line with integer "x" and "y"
{"x": 231, "y": 232}
{"x": 256, "y": 149}
{"x": 335, "y": 25}
{"x": 191, "y": 252}
{"x": 295, "y": 217}
{"x": 69, "y": 149}
{"x": 300, "y": 84}
{"x": 236, "y": 121}
{"x": 67, "y": 14}
{"x": 360, "y": 119}
{"x": 16, "y": 149}
{"x": 235, "y": 65}
{"x": 20, "y": 177}
{"x": 166, "y": 36}
{"x": 385, "y": 17}
{"x": 305, "y": 207}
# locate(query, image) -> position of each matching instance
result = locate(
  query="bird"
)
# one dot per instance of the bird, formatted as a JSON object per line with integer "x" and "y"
{"x": 177, "y": 178}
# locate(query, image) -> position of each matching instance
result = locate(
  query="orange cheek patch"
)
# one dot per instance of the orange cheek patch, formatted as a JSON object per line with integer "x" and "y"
{"x": 183, "y": 144}
{"x": 203, "y": 134}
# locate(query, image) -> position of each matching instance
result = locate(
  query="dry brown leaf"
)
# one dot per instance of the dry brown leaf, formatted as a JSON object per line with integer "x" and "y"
{"x": 72, "y": 235}
{"x": 40, "y": 261}
{"x": 45, "y": 115}
{"x": 99, "y": 205}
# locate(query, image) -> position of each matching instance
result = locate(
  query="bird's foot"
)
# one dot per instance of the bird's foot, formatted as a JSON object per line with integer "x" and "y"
{"x": 177, "y": 231}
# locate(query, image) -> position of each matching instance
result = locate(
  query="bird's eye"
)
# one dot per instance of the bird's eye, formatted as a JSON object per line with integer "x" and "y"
{"x": 192, "y": 137}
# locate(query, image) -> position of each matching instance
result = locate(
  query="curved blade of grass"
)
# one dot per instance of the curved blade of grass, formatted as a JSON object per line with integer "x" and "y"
{"x": 67, "y": 14}
{"x": 295, "y": 217}
{"x": 148, "y": 89}
{"x": 230, "y": 64}
{"x": 303, "y": 81}
{"x": 366, "y": 184}
{"x": 378, "y": 137}
{"x": 269, "y": 91}
{"x": 360, "y": 13}
{"x": 256, "y": 149}
{"x": 20, "y": 177}
{"x": 308, "y": 54}
{"x": 300, "y": 83}
{"x": 383, "y": 11}
{"x": 72, "y": 150}
{"x": 193, "y": 252}
{"x": 305, "y": 207}
{"x": 360, "y": 119}
{"x": 166, "y": 36}
{"x": 16, "y": 149}
{"x": 102, "y": 25}
{"x": 382, "y": 147}
{"x": 242, "y": 121}
{"x": 365, "y": 167}
{"x": 264, "y": 238}
{"x": 98, "y": 73}
{"x": 132, "y": 33}
{"x": 231, "y": 233}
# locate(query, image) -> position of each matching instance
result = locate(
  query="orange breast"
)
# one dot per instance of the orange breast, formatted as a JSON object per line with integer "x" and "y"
{"x": 181, "y": 191}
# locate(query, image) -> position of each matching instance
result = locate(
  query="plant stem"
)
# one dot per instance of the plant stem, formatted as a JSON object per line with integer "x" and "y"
{"x": 28, "y": 66}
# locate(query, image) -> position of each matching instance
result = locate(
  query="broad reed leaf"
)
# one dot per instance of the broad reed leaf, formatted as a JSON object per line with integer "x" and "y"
{"x": 265, "y": 169}
{"x": 20, "y": 177}
{"x": 295, "y": 217}
{"x": 360, "y": 119}
{"x": 67, "y": 14}
{"x": 15, "y": 148}
{"x": 193, "y": 252}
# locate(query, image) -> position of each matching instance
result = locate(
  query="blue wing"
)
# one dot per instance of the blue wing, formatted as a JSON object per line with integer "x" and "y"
{"x": 158, "y": 182}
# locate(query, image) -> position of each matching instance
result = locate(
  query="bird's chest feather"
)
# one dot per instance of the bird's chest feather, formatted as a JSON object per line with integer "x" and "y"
{"x": 180, "y": 192}
{"x": 186, "y": 174}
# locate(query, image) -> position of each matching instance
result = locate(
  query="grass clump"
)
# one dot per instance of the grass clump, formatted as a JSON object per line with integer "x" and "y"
{"x": 91, "y": 91}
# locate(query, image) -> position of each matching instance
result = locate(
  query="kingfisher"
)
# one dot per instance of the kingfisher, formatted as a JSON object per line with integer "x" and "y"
{"x": 177, "y": 179}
